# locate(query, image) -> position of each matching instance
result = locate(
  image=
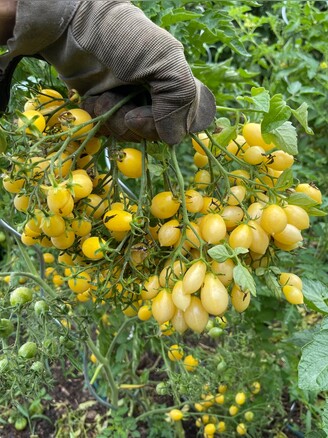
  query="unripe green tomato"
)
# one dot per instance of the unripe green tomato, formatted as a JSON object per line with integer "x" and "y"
{"x": 6, "y": 328}
{"x": 21, "y": 295}
{"x": 215, "y": 332}
{"x": 37, "y": 367}
{"x": 2, "y": 237}
{"x": 28, "y": 350}
{"x": 20, "y": 423}
{"x": 221, "y": 366}
{"x": 35, "y": 408}
{"x": 41, "y": 307}
{"x": 249, "y": 415}
{"x": 161, "y": 388}
{"x": 3, "y": 365}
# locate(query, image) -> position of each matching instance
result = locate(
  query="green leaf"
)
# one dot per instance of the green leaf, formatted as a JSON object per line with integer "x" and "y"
{"x": 313, "y": 211}
{"x": 243, "y": 278}
{"x": 225, "y": 136}
{"x": 317, "y": 433}
{"x": 155, "y": 169}
{"x": 219, "y": 253}
{"x": 258, "y": 101}
{"x": 278, "y": 114}
{"x": 315, "y": 295}
{"x": 177, "y": 15}
{"x": 313, "y": 366}
{"x": 285, "y": 180}
{"x": 240, "y": 250}
{"x": 325, "y": 419}
{"x": 3, "y": 141}
{"x": 284, "y": 137}
{"x": 302, "y": 200}
{"x": 301, "y": 114}
{"x": 223, "y": 122}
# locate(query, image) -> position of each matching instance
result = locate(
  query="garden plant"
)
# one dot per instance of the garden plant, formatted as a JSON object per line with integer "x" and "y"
{"x": 172, "y": 291}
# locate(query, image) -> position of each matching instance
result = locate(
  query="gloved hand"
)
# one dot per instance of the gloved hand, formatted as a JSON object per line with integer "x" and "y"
{"x": 139, "y": 52}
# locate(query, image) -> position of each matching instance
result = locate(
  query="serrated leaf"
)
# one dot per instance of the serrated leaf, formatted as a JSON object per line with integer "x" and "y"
{"x": 302, "y": 200}
{"x": 178, "y": 15}
{"x": 258, "y": 101}
{"x": 243, "y": 278}
{"x": 285, "y": 180}
{"x": 301, "y": 114}
{"x": 284, "y": 137}
{"x": 313, "y": 366}
{"x": 278, "y": 114}
{"x": 316, "y": 293}
{"x": 219, "y": 253}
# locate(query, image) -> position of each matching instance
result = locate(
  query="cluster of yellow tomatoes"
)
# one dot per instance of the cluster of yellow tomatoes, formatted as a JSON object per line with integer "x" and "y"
{"x": 212, "y": 407}
{"x": 151, "y": 256}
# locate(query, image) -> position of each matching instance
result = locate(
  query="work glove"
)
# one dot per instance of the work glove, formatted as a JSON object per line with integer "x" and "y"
{"x": 171, "y": 103}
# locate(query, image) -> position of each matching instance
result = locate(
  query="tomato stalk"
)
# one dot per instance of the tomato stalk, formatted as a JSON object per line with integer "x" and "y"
{"x": 35, "y": 278}
{"x": 108, "y": 373}
{"x": 143, "y": 184}
{"x": 185, "y": 217}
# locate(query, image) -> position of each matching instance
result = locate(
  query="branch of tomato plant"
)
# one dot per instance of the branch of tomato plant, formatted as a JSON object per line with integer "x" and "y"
{"x": 106, "y": 367}
{"x": 35, "y": 278}
{"x": 233, "y": 157}
{"x": 144, "y": 180}
{"x": 185, "y": 217}
{"x": 120, "y": 330}
{"x": 89, "y": 383}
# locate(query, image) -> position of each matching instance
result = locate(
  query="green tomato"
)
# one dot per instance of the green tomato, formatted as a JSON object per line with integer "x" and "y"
{"x": 221, "y": 366}
{"x": 35, "y": 408}
{"x": 28, "y": 350}
{"x": 21, "y": 295}
{"x": 6, "y": 328}
{"x": 215, "y": 332}
{"x": 20, "y": 423}
{"x": 41, "y": 307}
{"x": 2, "y": 237}
{"x": 249, "y": 415}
